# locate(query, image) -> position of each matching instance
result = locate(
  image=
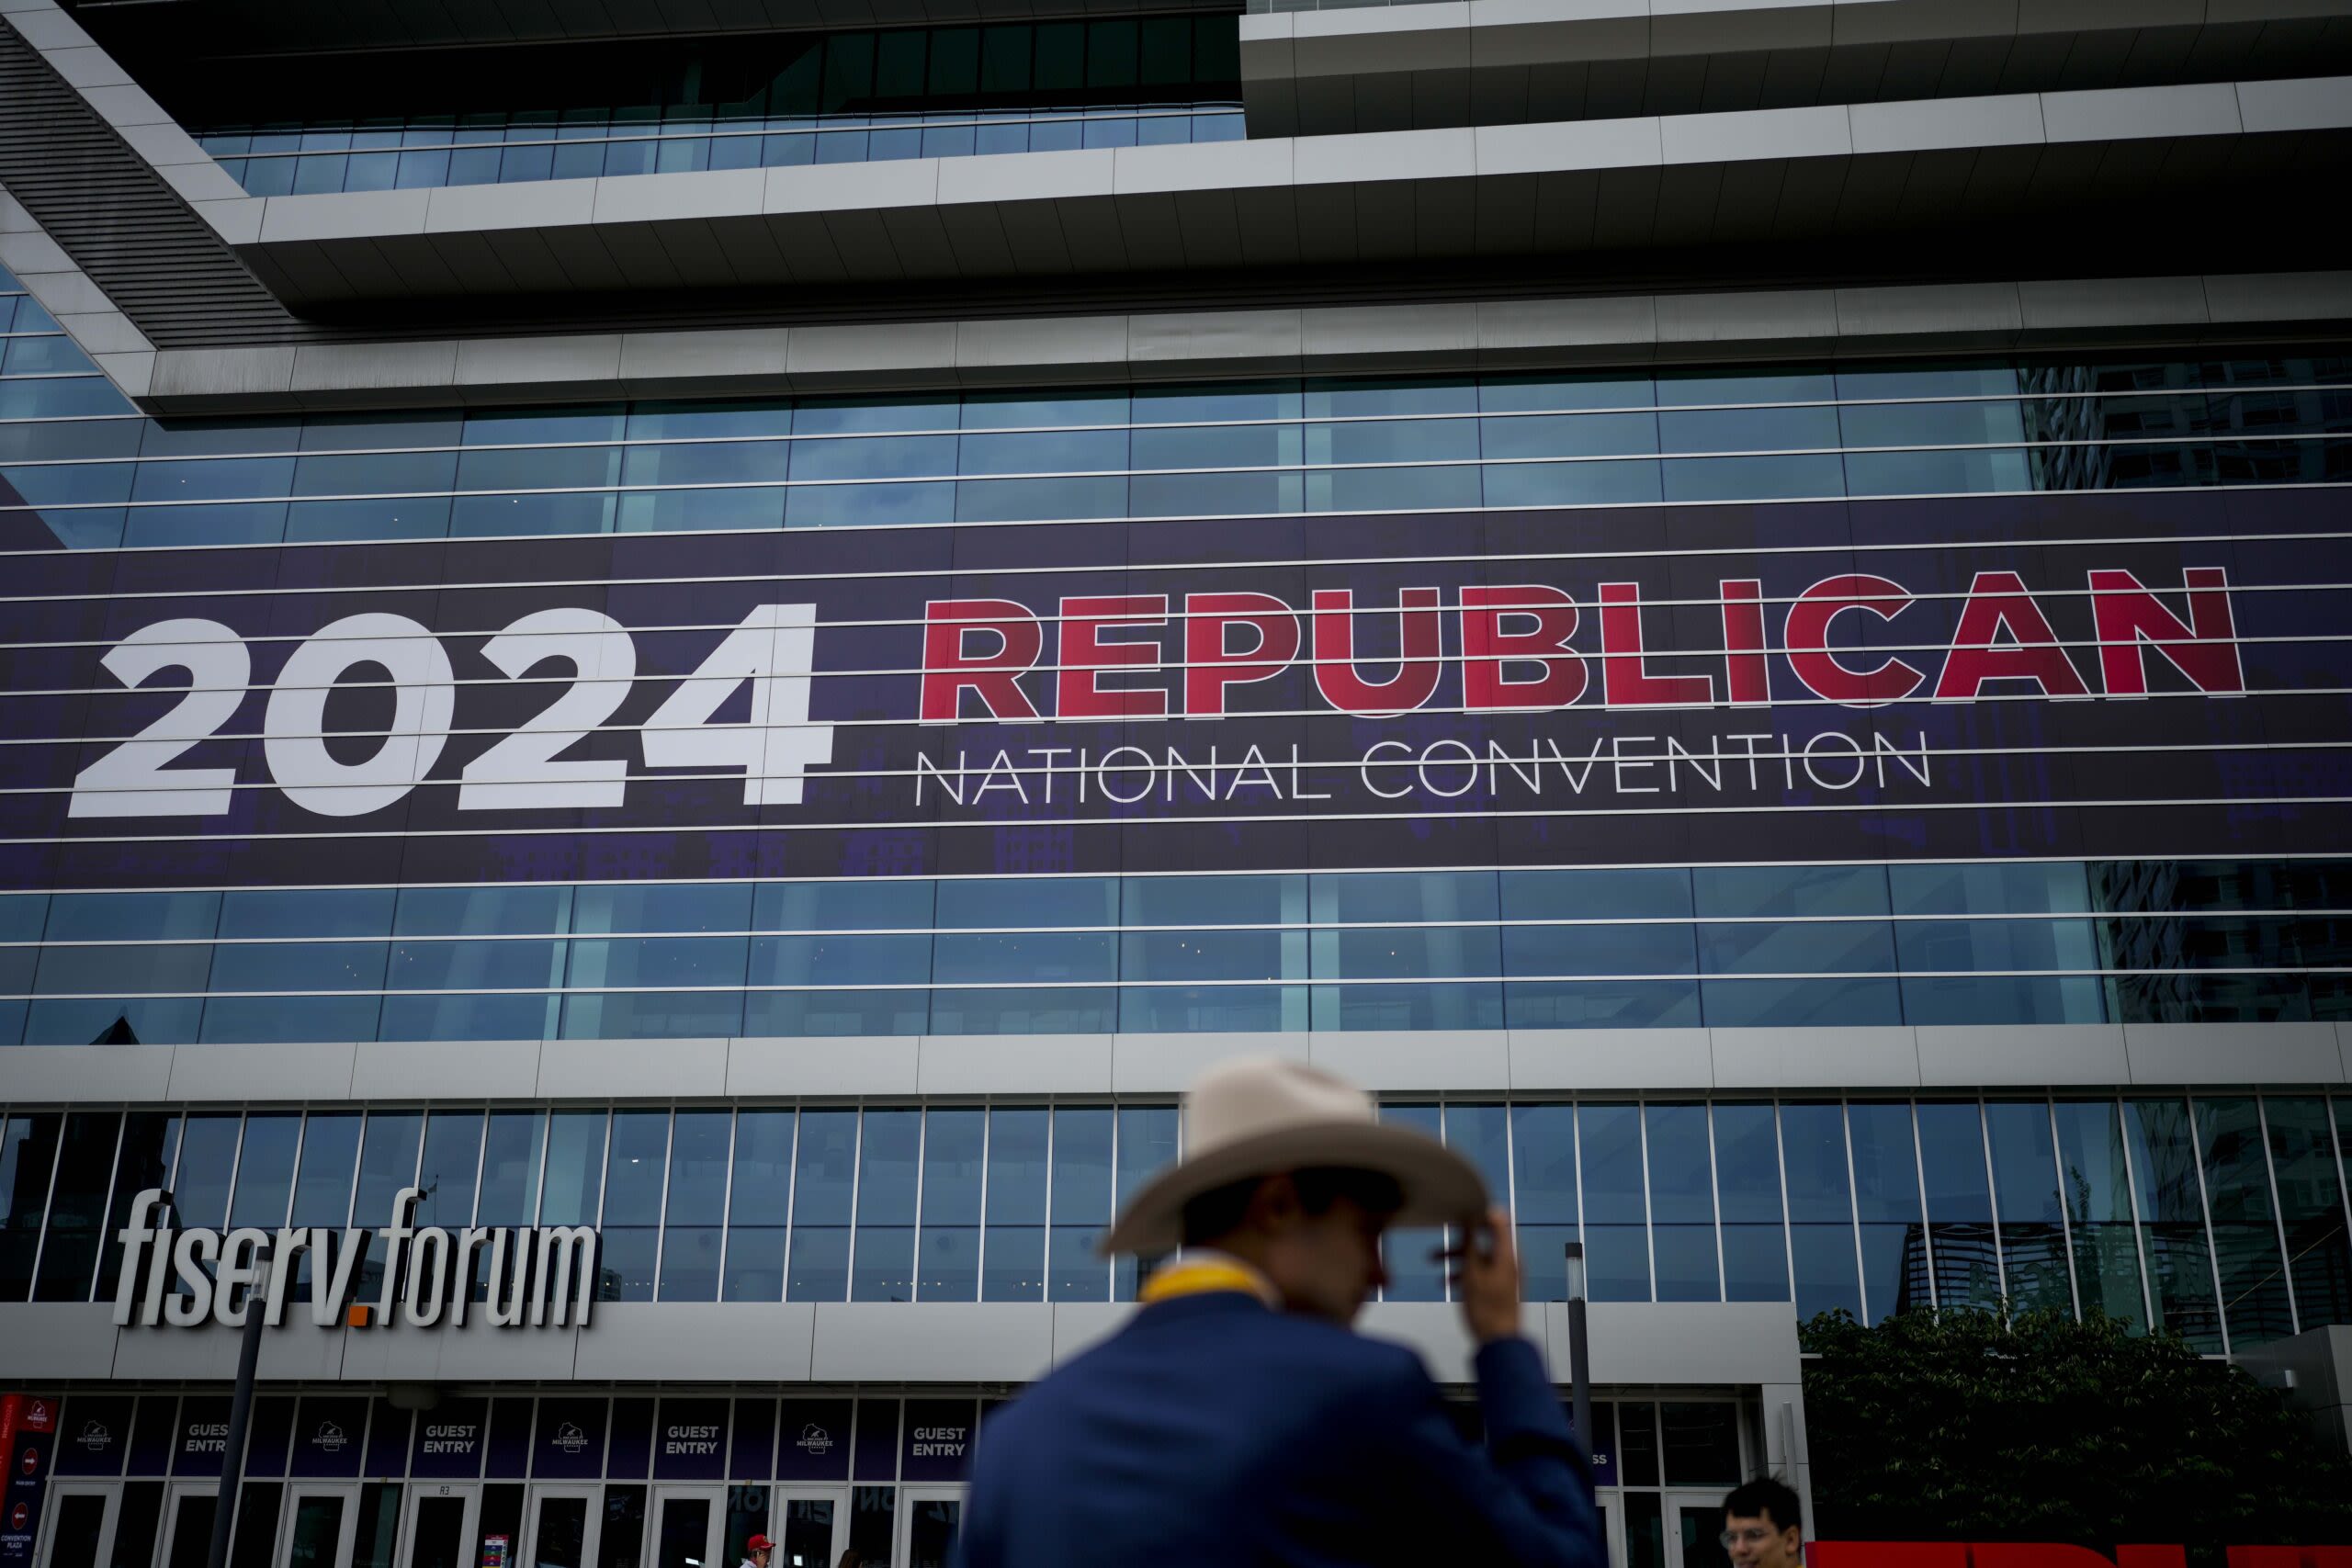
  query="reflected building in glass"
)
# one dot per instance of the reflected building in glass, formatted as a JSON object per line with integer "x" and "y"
{"x": 740, "y": 641}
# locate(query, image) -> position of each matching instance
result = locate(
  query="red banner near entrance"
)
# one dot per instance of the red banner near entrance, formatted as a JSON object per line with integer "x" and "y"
{"x": 2053, "y": 1554}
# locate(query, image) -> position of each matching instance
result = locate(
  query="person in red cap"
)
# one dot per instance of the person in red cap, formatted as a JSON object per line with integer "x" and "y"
{"x": 756, "y": 1550}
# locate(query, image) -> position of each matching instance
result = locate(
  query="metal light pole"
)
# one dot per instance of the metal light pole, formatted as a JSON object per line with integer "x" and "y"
{"x": 240, "y": 1407}
{"x": 1580, "y": 1364}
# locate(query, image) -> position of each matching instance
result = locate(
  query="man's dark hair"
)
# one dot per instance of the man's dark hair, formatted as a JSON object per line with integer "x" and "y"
{"x": 1220, "y": 1211}
{"x": 1765, "y": 1497}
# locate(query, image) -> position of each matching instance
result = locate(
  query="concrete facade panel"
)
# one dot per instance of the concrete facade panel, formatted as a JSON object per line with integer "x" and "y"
{"x": 1855, "y": 1057}
{"x": 297, "y": 1071}
{"x": 1027, "y": 1064}
{"x": 931, "y": 1341}
{"x": 625, "y": 1070}
{"x": 2234, "y": 1053}
{"x": 1405, "y": 1060}
{"x": 876, "y": 1065}
{"x": 698, "y": 1342}
{"x": 43, "y": 1343}
{"x": 491, "y": 1069}
{"x": 2023, "y": 1054}
{"x": 1573, "y": 1059}
{"x": 69, "y": 1073}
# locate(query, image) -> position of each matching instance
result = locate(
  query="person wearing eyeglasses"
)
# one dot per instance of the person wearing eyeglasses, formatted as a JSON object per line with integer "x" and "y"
{"x": 1764, "y": 1525}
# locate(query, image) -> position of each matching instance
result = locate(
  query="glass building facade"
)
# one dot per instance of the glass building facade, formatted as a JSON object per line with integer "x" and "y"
{"x": 1818, "y": 766}
{"x": 2221, "y": 1218}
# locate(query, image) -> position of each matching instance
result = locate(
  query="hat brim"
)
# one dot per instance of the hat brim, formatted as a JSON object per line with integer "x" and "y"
{"x": 1439, "y": 1186}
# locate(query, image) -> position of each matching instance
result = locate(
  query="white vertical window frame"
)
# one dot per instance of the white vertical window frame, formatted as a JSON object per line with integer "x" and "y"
{"x": 1045, "y": 1242}
{"x": 538, "y": 1207}
{"x": 105, "y": 1206}
{"x": 661, "y": 1206}
{"x": 2270, "y": 1170}
{"x": 727, "y": 1201}
{"x": 791, "y": 1203}
{"x": 1854, "y": 1213}
{"x": 1649, "y": 1202}
{"x": 922, "y": 1149}
{"x": 48, "y": 1197}
{"x": 1715, "y": 1207}
{"x": 481, "y": 1163}
{"x": 293, "y": 1177}
{"x": 2138, "y": 1238}
{"x": 856, "y": 1165}
{"x": 1788, "y": 1219}
{"x": 2066, "y": 1220}
{"x": 1993, "y": 1198}
{"x": 1109, "y": 1264}
{"x": 2205, "y": 1209}
{"x": 2343, "y": 1176}
{"x": 980, "y": 1251}
{"x": 1927, "y": 1221}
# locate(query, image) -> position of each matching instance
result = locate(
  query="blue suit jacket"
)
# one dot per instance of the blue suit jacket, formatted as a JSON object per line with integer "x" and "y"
{"x": 1211, "y": 1430}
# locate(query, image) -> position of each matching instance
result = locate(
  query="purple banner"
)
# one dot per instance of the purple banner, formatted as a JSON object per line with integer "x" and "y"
{"x": 2077, "y": 674}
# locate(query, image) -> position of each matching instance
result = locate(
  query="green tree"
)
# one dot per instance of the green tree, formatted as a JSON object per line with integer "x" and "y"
{"x": 2028, "y": 1426}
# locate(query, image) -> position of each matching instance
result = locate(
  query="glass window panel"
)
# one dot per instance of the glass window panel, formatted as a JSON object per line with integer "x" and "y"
{"x": 1017, "y": 1205}
{"x": 2310, "y": 1204}
{"x": 698, "y": 1168}
{"x": 1747, "y": 1186}
{"x": 28, "y": 1157}
{"x": 1029, "y": 901}
{"x": 1081, "y": 1205}
{"x": 513, "y": 1146}
{"x": 824, "y": 1173}
{"x": 2162, "y": 1143}
{"x": 842, "y": 416}
{"x": 1886, "y": 1201}
{"x": 77, "y": 1206}
{"x": 449, "y": 1170}
{"x": 1036, "y": 957}
{"x": 1753, "y": 892}
{"x": 760, "y": 1192}
{"x": 308, "y": 913}
{"x": 1215, "y": 900}
{"x": 1408, "y": 953}
{"x": 484, "y": 911}
{"x": 2025, "y": 1189}
{"x": 1683, "y": 1208}
{"x": 1147, "y": 1140}
{"x": 1960, "y": 1204}
{"x": 857, "y": 904}
{"x": 690, "y": 1262}
{"x": 634, "y": 1168}
{"x": 1544, "y": 1157}
{"x": 1626, "y": 894}
{"x": 133, "y": 916}
{"x": 874, "y": 457}
{"x": 575, "y": 1172}
{"x": 1597, "y": 950}
{"x": 1051, "y": 452}
{"x": 1737, "y": 1004}
{"x": 1405, "y": 897}
{"x": 2244, "y": 1222}
{"x": 1217, "y": 447}
{"x": 329, "y": 1161}
{"x": 150, "y": 1143}
{"x": 947, "y": 1265}
{"x": 1213, "y": 955}
{"x": 266, "y": 1171}
{"x": 1821, "y": 1235}
{"x": 2096, "y": 1189}
{"x": 1414, "y": 1274}
{"x": 1609, "y": 1139}
{"x": 662, "y": 907}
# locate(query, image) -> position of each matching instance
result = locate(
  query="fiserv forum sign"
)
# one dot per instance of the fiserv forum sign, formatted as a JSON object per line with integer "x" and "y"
{"x": 2056, "y": 674}
{"x": 537, "y": 1277}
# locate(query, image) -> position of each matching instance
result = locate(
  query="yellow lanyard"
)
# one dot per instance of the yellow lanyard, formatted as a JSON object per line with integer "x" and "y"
{"x": 1184, "y": 1279}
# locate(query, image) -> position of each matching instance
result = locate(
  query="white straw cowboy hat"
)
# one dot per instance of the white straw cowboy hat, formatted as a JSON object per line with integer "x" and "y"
{"x": 1260, "y": 1115}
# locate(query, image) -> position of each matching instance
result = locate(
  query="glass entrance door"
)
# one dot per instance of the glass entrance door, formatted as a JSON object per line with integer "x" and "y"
{"x": 930, "y": 1518}
{"x": 686, "y": 1521}
{"x": 811, "y": 1527}
{"x": 81, "y": 1524}
{"x": 187, "y": 1523}
{"x": 560, "y": 1527}
{"x": 440, "y": 1525}
{"x": 1694, "y": 1531}
{"x": 320, "y": 1524}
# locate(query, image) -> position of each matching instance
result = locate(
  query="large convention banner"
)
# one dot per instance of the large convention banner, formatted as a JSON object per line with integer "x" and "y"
{"x": 2102, "y": 674}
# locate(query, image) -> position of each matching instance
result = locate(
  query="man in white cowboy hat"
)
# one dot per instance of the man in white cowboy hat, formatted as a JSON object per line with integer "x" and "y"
{"x": 1236, "y": 1420}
